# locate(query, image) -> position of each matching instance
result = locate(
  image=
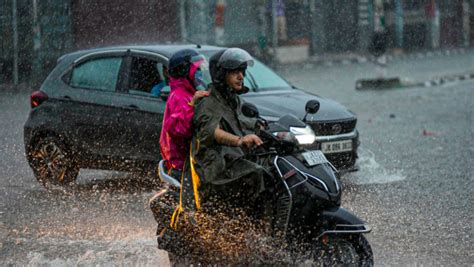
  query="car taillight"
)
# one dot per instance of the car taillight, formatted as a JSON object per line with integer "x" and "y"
{"x": 37, "y": 98}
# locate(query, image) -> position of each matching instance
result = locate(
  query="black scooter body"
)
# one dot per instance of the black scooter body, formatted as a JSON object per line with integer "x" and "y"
{"x": 313, "y": 197}
{"x": 308, "y": 197}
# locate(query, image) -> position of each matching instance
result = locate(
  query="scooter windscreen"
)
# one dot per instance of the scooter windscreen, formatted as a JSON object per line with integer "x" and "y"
{"x": 291, "y": 129}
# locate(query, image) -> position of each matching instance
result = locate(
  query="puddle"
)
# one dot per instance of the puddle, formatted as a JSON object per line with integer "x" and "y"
{"x": 93, "y": 253}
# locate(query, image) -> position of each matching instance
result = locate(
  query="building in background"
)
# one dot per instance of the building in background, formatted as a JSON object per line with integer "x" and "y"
{"x": 16, "y": 42}
{"x": 36, "y": 32}
{"x": 451, "y": 23}
{"x": 47, "y": 29}
{"x": 112, "y": 22}
{"x": 470, "y": 23}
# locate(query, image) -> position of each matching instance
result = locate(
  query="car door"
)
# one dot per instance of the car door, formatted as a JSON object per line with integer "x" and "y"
{"x": 92, "y": 100}
{"x": 144, "y": 114}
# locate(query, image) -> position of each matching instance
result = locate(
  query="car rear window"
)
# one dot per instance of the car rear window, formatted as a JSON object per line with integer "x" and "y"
{"x": 100, "y": 74}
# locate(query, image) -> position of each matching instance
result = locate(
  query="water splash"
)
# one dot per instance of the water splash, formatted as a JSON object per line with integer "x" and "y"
{"x": 228, "y": 237}
{"x": 371, "y": 172}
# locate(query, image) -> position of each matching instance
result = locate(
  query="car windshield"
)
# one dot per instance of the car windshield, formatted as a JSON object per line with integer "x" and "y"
{"x": 261, "y": 78}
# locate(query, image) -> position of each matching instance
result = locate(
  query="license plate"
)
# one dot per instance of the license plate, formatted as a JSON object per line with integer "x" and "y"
{"x": 335, "y": 147}
{"x": 314, "y": 157}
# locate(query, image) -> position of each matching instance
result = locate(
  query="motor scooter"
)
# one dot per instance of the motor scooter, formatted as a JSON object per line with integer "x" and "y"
{"x": 305, "y": 199}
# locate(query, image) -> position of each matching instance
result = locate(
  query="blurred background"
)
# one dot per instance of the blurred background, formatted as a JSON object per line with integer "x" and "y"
{"x": 35, "y": 33}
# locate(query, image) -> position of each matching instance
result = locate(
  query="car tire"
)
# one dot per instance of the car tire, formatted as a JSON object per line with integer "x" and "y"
{"x": 52, "y": 162}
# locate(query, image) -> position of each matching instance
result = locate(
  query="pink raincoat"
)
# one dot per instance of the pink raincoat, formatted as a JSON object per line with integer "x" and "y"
{"x": 177, "y": 129}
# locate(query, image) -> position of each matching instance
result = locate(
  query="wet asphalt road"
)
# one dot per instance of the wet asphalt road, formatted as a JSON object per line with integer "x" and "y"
{"x": 414, "y": 187}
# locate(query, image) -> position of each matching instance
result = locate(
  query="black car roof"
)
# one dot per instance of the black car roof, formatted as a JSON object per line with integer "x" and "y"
{"x": 166, "y": 50}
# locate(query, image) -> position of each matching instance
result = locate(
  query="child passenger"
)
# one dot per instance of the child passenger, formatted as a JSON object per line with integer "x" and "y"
{"x": 189, "y": 76}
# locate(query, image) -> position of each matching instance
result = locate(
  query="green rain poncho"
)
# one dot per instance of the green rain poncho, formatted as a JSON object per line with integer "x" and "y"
{"x": 223, "y": 170}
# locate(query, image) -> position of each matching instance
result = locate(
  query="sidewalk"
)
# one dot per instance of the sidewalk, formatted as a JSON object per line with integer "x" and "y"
{"x": 347, "y": 58}
{"x": 392, "y": 56}
{"x": 421, "y": 68}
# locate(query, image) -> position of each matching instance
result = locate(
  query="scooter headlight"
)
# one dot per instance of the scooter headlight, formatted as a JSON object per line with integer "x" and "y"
{"x": 304, "y": 135}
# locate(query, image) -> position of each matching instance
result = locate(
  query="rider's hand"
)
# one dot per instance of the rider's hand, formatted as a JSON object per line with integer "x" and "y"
{"x": 250, "y": 140}
{"x": 198, "y": 95}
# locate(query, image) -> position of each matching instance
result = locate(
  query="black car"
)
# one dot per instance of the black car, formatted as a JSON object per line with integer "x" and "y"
{"x": 95, "y": 110}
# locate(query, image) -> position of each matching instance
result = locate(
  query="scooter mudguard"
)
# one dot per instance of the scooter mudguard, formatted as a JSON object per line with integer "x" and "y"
{"x": 341, "y": 221}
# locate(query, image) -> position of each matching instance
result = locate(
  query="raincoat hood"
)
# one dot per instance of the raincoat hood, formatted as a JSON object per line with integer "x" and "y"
{"x": 186, "y": 83}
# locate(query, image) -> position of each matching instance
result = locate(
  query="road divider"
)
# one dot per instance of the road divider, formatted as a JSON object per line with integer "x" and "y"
{"x": 398, "y": 83}
{"x": 379, "y": 83}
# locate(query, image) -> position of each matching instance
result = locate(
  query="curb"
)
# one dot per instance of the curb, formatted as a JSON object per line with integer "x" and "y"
{"x": 382, "y": 83}
{"x": 446, "y": 79}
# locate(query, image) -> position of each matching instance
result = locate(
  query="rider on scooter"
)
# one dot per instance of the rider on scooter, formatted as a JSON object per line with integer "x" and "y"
{"x": 223, "y": 135}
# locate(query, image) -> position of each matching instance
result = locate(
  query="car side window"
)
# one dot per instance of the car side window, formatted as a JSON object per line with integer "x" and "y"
{"x": 146, "y": 77}
{"x": 100, "y": 74}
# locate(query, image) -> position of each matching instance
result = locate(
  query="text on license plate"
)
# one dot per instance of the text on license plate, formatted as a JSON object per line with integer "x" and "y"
{"x": 335, "y": 147}
{"x": 314, "y": 157}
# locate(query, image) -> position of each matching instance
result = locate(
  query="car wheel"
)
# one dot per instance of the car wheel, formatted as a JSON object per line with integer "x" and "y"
{"x": 52, "y": 162}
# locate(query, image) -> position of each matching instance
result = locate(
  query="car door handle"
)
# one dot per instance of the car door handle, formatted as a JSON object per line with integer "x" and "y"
{"x": 67, "y": 97}
{"x": 133, "y": 106}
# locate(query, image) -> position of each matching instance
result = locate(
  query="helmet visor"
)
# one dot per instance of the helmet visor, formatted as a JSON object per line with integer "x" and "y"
{"x": 234, "y": 58}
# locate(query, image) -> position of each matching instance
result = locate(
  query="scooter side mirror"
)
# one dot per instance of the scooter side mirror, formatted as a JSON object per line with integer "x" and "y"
{"x": 312, "y": 106}
{"x": 250, "y": 110}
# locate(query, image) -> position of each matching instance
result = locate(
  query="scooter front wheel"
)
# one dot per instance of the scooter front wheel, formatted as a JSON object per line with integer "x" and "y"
{"x": 344, "y": 250}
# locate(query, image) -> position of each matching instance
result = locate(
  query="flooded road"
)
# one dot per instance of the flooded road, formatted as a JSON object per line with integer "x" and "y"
{"x": 95, "y": 223}
{"x": 414, "y": 187}
{"x": 103, "y": 221}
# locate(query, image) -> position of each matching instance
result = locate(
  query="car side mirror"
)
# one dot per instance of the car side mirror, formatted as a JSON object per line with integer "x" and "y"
{"x": 250, "y": 110}
{"x": 312, "y": 106}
